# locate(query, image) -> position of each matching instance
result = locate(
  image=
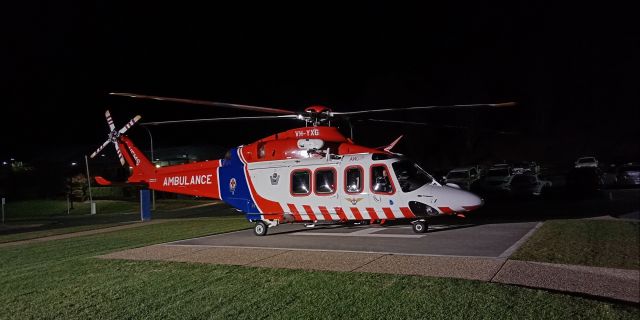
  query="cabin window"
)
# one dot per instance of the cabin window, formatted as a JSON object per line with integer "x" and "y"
{"x": 261, "y": 151}
{"x": 301, "y": 182}
{"x": 325, "y": 181}
{"x": 353, "y": 179}
{"x": 380, "y": 180}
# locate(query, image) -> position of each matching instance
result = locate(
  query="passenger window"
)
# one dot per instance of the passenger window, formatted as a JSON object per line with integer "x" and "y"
{"x": 353, "y": 180}
{"x": 380, "y": 181}
{"x": 301, "y": 182}
{"x": 325, "y": 181}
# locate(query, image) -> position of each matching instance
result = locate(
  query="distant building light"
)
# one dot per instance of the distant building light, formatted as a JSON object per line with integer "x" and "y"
{"x": 157, "y": 159}
{"x": 4, "y": 163}
{"x": 12, "y": 159}
{"x": 103, "y": 155}
{"x": 74, "y": 163}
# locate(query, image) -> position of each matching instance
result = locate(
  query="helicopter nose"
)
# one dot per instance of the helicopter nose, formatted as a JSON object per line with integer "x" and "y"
{"x": 472, "y": 202}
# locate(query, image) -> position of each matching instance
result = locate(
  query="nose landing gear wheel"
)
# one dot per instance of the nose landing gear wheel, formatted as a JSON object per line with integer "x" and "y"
{"x": 260, "y": 229}
{"x": 420, "y": 227}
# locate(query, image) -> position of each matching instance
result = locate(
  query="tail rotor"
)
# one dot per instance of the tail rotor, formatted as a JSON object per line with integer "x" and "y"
{"x": 114, "y": 135}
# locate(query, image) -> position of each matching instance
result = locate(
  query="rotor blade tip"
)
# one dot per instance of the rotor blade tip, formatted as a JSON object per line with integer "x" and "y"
{"x": 506, "y": 104}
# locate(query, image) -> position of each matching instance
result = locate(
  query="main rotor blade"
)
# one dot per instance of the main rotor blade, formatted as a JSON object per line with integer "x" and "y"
{"x": 413, "y": 123}
{"x": 433, "y": 125}
{"x": 220, "y": 119}
{"x": 129, "y": 124}
{"x": 204, "y": 103}
{"x": 95, "y": 153}
{"x": 476, "y": 105}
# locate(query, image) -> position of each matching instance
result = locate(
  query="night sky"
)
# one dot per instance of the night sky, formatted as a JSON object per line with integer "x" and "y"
{"x": 574, "y": 70}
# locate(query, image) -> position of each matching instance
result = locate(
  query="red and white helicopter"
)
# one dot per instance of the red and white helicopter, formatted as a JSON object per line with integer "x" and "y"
{"x": 313, "y": 174}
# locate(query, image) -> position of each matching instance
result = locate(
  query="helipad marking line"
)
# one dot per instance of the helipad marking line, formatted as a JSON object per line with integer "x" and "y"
{"x": 329, "y": 250}
{"x": 507, "y": 253}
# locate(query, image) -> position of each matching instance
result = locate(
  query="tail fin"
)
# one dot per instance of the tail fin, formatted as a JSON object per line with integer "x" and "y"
{"x": 143, "y": 170}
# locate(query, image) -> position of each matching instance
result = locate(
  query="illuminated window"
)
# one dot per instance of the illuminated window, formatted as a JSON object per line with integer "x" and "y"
{"x": 325, "y": 181}
{"x": 301, "y": 182}
{"x": 353, "y": 180}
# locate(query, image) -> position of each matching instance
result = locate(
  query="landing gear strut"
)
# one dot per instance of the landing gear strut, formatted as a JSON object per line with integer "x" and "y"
{"x": 420, "y": 226}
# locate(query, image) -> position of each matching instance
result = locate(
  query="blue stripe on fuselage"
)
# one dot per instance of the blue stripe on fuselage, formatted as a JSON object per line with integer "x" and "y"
{"x": 240, "y": 197}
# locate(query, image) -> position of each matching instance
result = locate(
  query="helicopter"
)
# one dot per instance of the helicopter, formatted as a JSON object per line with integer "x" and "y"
{"x": 312, "y": 174}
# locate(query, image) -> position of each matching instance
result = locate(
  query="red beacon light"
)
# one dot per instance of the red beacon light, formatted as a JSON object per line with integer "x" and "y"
{"x": 317, "y": 109}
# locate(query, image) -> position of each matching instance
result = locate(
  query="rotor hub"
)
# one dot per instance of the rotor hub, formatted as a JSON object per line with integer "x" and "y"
{"x": 114, "y": 135}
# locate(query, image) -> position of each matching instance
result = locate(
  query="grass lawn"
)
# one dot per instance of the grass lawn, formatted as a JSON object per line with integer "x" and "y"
{"x": 63, "y": 279}
{"x": 52, "y": 231}
{"x": 600, "y": 243}
{"x": 36, "y": 226}
{"x": 47, "y": 208}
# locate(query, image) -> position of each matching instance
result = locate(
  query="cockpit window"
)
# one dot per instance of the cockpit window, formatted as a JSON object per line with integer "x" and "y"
{"x": 410, "y": 175}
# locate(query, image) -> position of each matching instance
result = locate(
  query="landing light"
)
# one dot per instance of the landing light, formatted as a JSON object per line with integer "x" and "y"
{"x": 74, "y": 163}
{"x": 157, "y": 166}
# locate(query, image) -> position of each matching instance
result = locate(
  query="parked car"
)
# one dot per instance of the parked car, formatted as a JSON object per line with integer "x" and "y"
{"x": 528, "y": 185}
{"x": 498, "y": 179}
{"x": 463, "y": 177}
{"x": 586, "y": 162}
{"x": 628, "y": 175}
{"x": 529, "y": 167}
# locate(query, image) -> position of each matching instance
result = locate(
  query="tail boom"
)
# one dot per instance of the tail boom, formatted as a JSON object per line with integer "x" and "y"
{"x": 195, "y": 179}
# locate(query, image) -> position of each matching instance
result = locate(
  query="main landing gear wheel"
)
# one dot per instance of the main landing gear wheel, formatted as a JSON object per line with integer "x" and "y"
{"x": 260, "y": 229}
{"x": 420, "y": 227}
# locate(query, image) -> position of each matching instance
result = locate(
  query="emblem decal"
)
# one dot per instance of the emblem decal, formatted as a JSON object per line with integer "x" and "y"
{"x": 354, "y": 201}
{"x": 274, "y": 178}
{"x": 390, "y": 202}
{"x": 232, "y": 186}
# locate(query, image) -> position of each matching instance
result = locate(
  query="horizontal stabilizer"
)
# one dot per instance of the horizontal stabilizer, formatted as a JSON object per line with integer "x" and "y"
{"x": 102, "y": 181}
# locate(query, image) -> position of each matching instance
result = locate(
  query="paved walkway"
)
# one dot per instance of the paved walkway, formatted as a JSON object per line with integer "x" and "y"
{"x": 618, "y": 284}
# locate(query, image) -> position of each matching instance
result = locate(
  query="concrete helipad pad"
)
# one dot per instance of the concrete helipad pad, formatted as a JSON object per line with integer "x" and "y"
{"x": 484, "y": 240}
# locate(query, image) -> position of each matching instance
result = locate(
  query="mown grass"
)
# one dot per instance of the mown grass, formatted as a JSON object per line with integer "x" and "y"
{"x": 43, "y": 224}
{"x": 63, "y": 280}
{"x": 48, "y": 208}
{"x": 45, "y": 232}
{"x": 599, "y": 243}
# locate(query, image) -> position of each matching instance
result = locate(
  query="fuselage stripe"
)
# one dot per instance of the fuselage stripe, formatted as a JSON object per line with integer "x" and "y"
{"x": 446, "y": 210}
{"x": 388, "y": 213}
{"x": 309, "y": 212}
{"x": 325, "y": 213}
{"x": 246, "y": 177}
{"x": 294, "y": 211}
{"x": 372, "y": 213}
{"x": 341, "y": 214}
{"x": 407, "y": 212}
{"x": 356, "y": 213}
